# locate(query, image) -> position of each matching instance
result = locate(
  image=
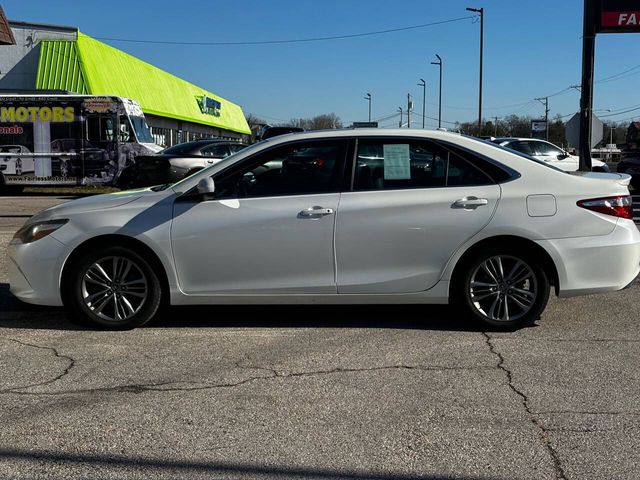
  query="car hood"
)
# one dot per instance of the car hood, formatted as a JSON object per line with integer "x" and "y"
{"x": 101, "y": 202}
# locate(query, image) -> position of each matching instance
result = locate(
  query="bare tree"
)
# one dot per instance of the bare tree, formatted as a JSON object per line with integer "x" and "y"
{"x": 319, "y": 122}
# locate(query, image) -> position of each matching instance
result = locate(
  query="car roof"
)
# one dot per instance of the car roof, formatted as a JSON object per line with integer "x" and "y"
{"x": 364, "y": 132}
{"x": 519, "y": 139}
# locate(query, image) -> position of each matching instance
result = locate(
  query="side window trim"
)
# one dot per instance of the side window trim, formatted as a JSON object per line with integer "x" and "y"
{"x": 354, "y": 163}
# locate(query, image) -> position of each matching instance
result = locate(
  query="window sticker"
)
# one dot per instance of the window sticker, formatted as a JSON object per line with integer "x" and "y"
{"x": 397, "y": 162}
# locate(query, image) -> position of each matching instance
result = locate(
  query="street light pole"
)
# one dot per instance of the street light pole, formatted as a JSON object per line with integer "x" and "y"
{"x": 409, "y": 107}
{"x": 368, "y": 97}
{"x": 481, "y": 12}
{"x": 545, "y": 102}
{"x": 423, "y": 84}
{"x": 400, "y": 124}
{"x": 439, "y": 63}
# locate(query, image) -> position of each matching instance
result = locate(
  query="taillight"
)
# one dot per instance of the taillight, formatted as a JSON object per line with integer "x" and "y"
{"x": 620, "y": 206}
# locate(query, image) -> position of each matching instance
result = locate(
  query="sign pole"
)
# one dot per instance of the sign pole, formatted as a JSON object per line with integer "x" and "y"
{"x": 586, "y": 97}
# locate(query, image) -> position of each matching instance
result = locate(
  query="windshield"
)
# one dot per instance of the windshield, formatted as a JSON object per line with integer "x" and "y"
{"x": 142, "y": 130}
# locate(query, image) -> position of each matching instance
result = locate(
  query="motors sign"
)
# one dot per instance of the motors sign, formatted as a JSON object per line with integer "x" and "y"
{"x": 619, "y": 16}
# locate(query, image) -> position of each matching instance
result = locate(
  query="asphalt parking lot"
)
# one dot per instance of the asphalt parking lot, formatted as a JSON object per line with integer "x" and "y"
{"x": 318, "y": 392}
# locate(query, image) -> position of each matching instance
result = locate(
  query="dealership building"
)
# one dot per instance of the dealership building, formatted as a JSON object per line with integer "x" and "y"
{"x": 62, "y": 59}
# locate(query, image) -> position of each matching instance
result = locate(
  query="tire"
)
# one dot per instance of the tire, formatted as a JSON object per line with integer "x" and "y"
{"x": 64, "y": 168}
{"x": 499, "y": 276}
{"x": 113, "y": 288}
{"x": 126, "y": 180}
{"x": 9, "y": 189}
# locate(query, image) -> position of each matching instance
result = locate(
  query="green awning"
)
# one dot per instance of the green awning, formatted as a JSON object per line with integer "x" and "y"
{"x": 95, "y": 68}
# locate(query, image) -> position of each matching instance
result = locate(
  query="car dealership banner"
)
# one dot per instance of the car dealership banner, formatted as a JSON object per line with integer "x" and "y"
{"x": 619, "y": 16}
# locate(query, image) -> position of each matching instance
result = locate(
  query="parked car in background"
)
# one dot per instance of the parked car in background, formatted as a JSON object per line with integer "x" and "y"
{"x": 299, "y": 219}
{"x": 177, "y": 162}
{"x": 269, "y": 132}
{"x": 547, "y": 152}
{"x": 17, "y": 164}
{"x": 631, "y": 166}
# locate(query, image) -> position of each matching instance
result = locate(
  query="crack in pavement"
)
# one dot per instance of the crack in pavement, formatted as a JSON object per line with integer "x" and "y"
{"x": 273, "y": 374}
{"x": 57, "y": 354}
{"x": 544, "y": 432}
{"x": 584, "y": 412}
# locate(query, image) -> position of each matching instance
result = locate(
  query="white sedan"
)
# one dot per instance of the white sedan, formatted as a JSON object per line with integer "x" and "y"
{"x": 15, "y": 160}
{"x": 347, "y": 216}
{"x": 548, "y": 152}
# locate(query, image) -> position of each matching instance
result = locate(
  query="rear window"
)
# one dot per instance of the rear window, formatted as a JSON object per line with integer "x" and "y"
{"x": 180, "y": 148}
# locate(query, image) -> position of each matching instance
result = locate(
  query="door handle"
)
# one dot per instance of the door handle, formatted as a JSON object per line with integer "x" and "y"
{"x": 470, "y": 202}
{"x": 316, "y": 212}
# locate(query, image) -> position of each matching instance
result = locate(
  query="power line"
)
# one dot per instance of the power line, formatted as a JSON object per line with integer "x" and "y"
{"x": 617, "y": 76}
{"x": 621, "y": 112}
{"x": 296, "y": 40}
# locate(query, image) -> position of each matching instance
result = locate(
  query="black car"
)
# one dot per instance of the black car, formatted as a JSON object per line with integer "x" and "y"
{"x": 269, "y": 131}
{"x": 631, "y": 165}
{"x": 177, "y": 162}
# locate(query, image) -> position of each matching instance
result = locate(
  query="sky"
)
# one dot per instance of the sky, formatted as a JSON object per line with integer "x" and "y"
{"x": 532, "y": 49}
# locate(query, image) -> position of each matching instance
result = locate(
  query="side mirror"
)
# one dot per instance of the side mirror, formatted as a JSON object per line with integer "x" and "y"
{"x": 562, "y": 156}
{"x": 206, "y": 187}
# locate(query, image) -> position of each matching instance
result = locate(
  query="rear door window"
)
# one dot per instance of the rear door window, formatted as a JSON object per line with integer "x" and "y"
{"x": 398, "y": 164}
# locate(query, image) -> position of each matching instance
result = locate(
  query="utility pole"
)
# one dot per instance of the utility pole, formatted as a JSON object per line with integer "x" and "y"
{"x": 586, "y": 88}
{"x": 423, "y": 84}
{"x": 545, "y": 102}
{"x": 495, "y": 127}
{"x": 439, "y": 63}
{"x": 409, "y": 107}
{"x": 400, "y": 124}
{"x": 368, "y": 97}
{"x": 481, "y": 12}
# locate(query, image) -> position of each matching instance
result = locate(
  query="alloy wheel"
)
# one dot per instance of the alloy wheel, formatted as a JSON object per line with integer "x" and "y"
{"x": 503, "y": 288}
{"x": 114, "y": 288}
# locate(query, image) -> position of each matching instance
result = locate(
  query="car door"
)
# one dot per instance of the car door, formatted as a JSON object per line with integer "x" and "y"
{"x": 268, "y": 228}
{"x": 412, "y": 204}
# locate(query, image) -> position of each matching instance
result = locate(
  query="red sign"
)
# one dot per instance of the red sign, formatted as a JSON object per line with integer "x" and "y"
{"x": 620, "y": 19}
{"x": 619, "y": 15}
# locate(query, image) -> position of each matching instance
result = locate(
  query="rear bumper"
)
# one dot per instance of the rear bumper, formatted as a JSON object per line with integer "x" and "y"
{"x": 597, "y": 264}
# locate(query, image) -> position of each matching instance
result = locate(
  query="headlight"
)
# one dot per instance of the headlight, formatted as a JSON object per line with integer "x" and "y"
{"x": 36, "y": 231}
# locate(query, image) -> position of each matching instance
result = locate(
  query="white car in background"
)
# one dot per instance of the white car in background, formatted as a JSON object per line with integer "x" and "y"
{"x": 13, "y": 160}
{"x": 547, "y": 152}
{"x": 345, "y": 216}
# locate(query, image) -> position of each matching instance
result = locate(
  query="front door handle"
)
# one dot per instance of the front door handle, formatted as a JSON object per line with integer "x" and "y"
{"x": 316, "y": 212}
{"x": 470, "y": 202}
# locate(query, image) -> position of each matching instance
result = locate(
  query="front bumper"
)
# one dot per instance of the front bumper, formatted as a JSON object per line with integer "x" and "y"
{"x": 596, "y": 264}
{"x": 35, "y": 270}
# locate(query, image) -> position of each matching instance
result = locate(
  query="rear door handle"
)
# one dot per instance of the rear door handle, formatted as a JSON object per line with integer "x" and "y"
{"x": 316, "y": 212}
{"x": 470, "y": 202}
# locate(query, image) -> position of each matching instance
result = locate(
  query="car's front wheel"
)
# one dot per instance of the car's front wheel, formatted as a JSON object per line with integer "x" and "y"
{"x": 502, "y": 288}
{"x": 113, "y": 288}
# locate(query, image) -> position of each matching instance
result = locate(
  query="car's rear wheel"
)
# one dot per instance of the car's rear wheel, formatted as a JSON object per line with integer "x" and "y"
{"x": 502, "y": 288}
{"x": 114, "y": 288}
